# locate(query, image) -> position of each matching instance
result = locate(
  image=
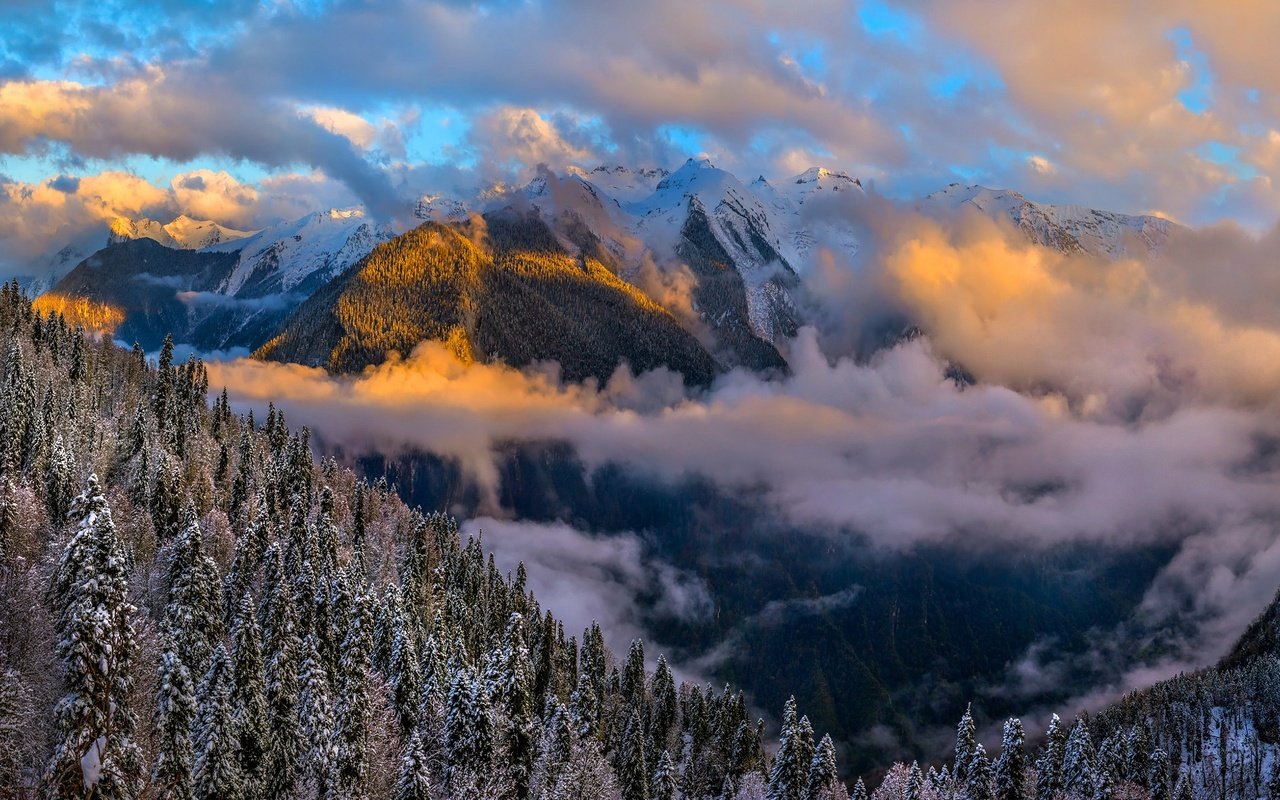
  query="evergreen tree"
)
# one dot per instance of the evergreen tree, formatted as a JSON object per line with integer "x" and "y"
{"x": 788, "y": 776}
{"x": 665, "y": 784}
{"x": 175, "y": 714}
{"x": 354, "y": 710}
{"x": 8, "y": 519}
{"x": 59, "y": 481}
{"x": 514, "y": 692}
{"x": 633, "y": 675}
{"x": 17, "y": 714}
{"x": 405, "y": 672}
{"x": 248, "y": 697}
{"x": 1079, "y": 774}
{"x": 966, "y": 741}
{"x": 978, "y": 776}
{"x": 664, "y": 710}
{"x": 859, "y": 790}
{"x": 194, "y": 610}
{"x": 468, "y": 731}
{"x": 632, "y": 762}
{"x": 822, "y": 769}
{"x": 1182, "y": 790}
{"x": 915, "y": 783}
{"x": 1049, "y": 764}
{"x": 287, "y": 743}
{"x": 414, "y": 779}
{"x": 96, "y": 645}
{"x": 1011, "y": 764}
{"x": 217, "y": 771}
{"x": 315, "y": 711}
{"x": 1158, "y": 777}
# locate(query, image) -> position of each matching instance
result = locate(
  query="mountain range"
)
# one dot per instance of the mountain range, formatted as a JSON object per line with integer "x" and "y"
{"x": 725, "y": 258}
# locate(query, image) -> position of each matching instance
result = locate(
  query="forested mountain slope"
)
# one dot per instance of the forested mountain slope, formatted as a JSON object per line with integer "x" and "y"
{"x": 189, "y": 607}
{"x": 502, "y": 291}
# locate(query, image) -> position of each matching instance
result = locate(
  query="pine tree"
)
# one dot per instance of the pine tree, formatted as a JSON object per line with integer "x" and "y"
{"x": 59, "y": 481}
{"x": 632, "y": 760}
{"x": 789, "y": 773}
{"x": 665, "y": 784}
{"x": 217, "y": 771}
{"x": 1183, "y": 789}
{"x": 633, "y": 676}
{"x": 96, "y": 645}
{"x": 315, "y": 710}
{"x": 249, "y": 701}
{"x": 468, "y": 730}
{"x": 978, "y": 776}
{"x": 664, "y": 710}
{"x": 1011, "y": 764}
{"x": 8, "y": 519}
{"x": 250, "y": 549}
{"x": 1079, "y": 773}
{"x": 194, "y": 610}
{"x": 517, "y": 701}
{"x": 17, "y": 714}
{"x": 822, "y": 769}
{"x": 915, "y": 783}
{"x": 1049, "y": 764}
{"x": 1158, "y": 777}
{"x": 287, "y": 743}
{"x": 414, "y": 779}
{"x": 966, "y": 740}
{"x": 859, "y": 790}
{"x": 354, "y": 708}
{"x": 405, "y": 673}
{"x": 175, "y": 714}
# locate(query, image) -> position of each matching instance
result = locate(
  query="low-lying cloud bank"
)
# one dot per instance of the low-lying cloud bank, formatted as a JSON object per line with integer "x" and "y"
{"x": 1117, "y": 403}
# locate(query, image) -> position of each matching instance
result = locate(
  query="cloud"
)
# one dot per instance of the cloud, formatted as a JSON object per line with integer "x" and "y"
{"x": 524, "y": 138}
{"x": 180, "y": 114}
{"x": 584, "y": 578}
{"x": 216, "y": 195}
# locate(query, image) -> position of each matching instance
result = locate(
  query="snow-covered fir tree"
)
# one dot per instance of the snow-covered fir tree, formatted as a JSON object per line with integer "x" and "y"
{"x": 96, "y": 644}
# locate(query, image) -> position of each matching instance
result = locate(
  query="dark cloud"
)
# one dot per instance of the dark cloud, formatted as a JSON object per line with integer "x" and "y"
{"x": 66, "y": 184}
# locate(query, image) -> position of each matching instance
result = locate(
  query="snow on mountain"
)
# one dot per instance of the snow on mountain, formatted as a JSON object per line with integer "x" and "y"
{"x": 195, "y": 234}
{"x": 800, "y": 230}
{"x": 437, "y": 208}
{"x": 742, "y": 225}
{"x": 183, "y": 233}
{"x": 300, "y": 255}
{"x": 623, "y": 184}
{"x": 1067, "y": 228}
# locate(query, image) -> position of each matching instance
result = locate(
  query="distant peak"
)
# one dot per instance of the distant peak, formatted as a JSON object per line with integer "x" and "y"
{"x": 345, "y": 213}
{"x": 816, "y": 174}
{"x": 700, "y": 162}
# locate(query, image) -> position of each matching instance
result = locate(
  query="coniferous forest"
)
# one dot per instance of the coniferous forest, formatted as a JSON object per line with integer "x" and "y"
{"x": 193, "y": 607}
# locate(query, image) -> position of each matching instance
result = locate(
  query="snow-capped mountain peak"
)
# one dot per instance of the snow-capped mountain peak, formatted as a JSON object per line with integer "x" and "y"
{"x": 826, "y": 179}
{"x": 182, "y": 233}
{"x": 1068, "y": 228}
{"x": 301, "y": 254}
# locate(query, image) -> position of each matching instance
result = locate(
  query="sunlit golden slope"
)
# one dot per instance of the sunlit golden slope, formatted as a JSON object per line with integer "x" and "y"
{"x": 102, "y": 318}
{"x": 502, "y": 291}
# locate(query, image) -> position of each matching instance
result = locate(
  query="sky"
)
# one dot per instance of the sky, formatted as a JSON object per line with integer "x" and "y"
{"x": 251, "y": 112}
